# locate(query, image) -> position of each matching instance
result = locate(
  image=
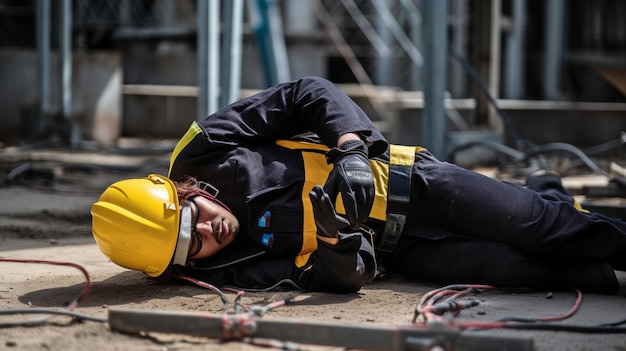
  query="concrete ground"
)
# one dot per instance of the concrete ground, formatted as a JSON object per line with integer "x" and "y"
{"x": 44, "y": 215}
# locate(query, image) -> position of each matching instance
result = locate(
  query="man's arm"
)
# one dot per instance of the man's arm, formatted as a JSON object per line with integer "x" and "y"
{"x": 330, "y": 241}
{"x": 309, "y": 104}
{"x": 347, "y": 137}
{"x": 341, "y": 268}
{"x": 344, "y": 267}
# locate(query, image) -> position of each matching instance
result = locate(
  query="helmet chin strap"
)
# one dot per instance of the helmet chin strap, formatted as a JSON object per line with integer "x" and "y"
{"x": 184, "y": 236}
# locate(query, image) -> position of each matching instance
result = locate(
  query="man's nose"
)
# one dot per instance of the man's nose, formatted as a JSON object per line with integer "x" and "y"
{"x": 205, "y": 229}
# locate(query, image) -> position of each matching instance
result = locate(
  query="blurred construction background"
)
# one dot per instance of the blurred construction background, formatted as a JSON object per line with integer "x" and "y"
{"x": 437, "y": 73}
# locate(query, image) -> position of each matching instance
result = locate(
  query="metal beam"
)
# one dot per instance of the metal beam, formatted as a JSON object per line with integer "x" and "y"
{"x": 362, "y": 337}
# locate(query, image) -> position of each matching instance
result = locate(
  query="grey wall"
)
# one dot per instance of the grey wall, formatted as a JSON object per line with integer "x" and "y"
{"x": 96, "y": 95}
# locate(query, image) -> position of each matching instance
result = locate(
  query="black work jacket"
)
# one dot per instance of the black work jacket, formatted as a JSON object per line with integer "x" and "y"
{"x": 238, "y": 150}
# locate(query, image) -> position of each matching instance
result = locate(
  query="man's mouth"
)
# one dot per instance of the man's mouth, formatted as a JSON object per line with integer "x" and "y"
{"x": 223, "y": 233}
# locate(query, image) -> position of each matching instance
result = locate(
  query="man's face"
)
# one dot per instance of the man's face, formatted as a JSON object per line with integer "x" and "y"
{"x": 215, "y": 228}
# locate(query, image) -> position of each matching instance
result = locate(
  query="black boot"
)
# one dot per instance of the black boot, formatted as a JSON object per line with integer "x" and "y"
{"x": 593, "y": 277}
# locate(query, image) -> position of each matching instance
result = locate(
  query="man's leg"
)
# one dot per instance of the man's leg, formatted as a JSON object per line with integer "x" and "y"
{"x": 475, "y": 261}
{"x": 468, "y": 203}
{"x": 550, "y": 187}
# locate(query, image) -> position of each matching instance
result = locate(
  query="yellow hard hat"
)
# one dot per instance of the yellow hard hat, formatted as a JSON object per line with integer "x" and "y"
{"x": 137, "y": 224}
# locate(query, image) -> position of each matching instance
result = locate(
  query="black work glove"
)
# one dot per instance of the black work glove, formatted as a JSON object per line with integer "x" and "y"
{"x": 328, "y": 222}
{"x": 352, "y": 176}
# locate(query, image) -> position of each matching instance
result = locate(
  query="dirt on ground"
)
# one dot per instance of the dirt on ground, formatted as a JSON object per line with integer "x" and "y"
{"x": 44, "y": 215}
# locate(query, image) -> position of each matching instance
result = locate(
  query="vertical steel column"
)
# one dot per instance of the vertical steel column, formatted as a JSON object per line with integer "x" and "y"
{"x": 495, "y": 48}
{"x": 435, "y": 58}
{"x": 267, "y": 25}
{"x": 169, "y": 12}
{"x": 231, "y": 53}
{"x": 277, "y": 41}
{"x": 459, "y": 42}
{"x": 43, "y": 61}
{"x": 383, "y": 73}
{"x": 553, "y": 64}
{"x": 514, "y": 82}
{"x": 298, "y": 17}
{"x": 65, "y": 61}
{"x": 415, "y": 34}
{"x": 208, "y": 57}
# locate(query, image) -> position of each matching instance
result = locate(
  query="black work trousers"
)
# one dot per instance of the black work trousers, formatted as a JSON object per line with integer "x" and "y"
{"x": 466, "y": 227}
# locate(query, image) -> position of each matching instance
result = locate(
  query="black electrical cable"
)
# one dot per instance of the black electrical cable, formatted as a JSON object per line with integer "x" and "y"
{"x": 523, "y": 144}
{"x": 239, "y": 291}
{"x": 503, "y": 149}
{"x": 613, "y": 324}
{"x": 605, "y": 147}
{"x": 508, "y": 125}
{"x": 208, "y": 286}
{"x": 539, "y": 150}
{"x": 50, "y": 312}
{"x": 595, "y": 329}
{"x": 556, "y": 147}
{"x": 431, "y": 309}
{"x": 281, "y": 283}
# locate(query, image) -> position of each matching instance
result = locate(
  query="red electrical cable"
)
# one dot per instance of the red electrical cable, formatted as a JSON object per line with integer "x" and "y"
{"x": 429, "y": 308}
{"x": 206, "y": 285}
{"x": 571, "y": 312}
{"x": 86, "y": 288}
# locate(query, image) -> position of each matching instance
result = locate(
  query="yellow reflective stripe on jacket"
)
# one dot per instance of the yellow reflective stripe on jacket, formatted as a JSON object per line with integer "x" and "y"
{"x": 193, "y": 130}
{"x": 316, "y": 171}
{"x": 403, "y": 155}
{"x": 301, "y": 145}
{"x": 315, "y": 163}
{"x": 381, "y": 186}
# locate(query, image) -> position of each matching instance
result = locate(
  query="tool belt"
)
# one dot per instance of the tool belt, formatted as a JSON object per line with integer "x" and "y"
{"x": 401, "y": 160}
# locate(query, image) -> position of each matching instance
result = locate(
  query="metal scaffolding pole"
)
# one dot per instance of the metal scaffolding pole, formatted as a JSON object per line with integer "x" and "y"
{"x": 495, "y": 37}
{"x": 514, "y": 82}
{"x": 208, "y": 57}
{"x": 435, "y": 58}
{"x": 43, "y": 60}
{"x": 363, "y": 337}
{"x": 231, "y": 55}
{"x": 459, "y": 43}
{"x": 383, "y": 70}
{"x": 555, "y": 19}
{"x": 65, "y": 60}
{"x": 266, "y": 21}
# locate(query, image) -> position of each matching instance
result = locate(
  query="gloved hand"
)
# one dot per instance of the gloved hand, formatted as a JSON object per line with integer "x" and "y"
{"x": 352, "y": 176}
{"x": 328, "y": 222}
